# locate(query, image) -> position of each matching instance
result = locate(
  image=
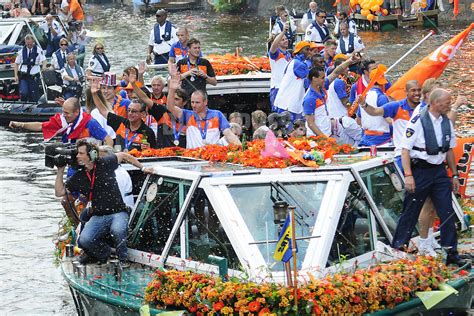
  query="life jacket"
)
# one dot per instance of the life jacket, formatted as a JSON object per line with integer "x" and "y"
{"x": 324, "y": 37}
{"x": 432, "y": 147}
{"x": 29, "y": 61}
{"x": 105, "y": 66}
{"x": 60, "y": 59}
{"x": 309, "y": 15}
{"x": 290, "y": 35}
{"x": 166, "y": 37}
{"x": 342, "y": 44}
{"x": 78, "y": 70}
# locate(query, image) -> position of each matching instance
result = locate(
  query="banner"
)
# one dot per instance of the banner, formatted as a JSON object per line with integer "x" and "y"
{"x": 432, "y": 66}
{"x": 283, "y": 251}
{"x": 463, "y": 156}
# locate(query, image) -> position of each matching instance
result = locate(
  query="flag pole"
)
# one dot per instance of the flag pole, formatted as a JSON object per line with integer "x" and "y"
{"x": 293, "y": 250}
{"x": 411, "y": 50}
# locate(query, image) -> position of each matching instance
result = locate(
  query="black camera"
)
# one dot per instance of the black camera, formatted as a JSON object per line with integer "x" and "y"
{"x": 60, "y": 155}
{"x": 279, "y": 123}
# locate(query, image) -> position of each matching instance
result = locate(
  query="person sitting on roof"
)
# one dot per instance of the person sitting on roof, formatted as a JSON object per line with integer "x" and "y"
{"x": 283, "y": 18}
{"x": 54, "y": 33}
{"x": 203, "y": 125}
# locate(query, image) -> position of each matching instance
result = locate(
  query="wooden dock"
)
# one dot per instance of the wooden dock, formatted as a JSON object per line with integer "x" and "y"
{"x": 385, "y": 23}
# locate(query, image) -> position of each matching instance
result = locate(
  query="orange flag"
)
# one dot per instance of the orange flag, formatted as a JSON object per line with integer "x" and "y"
{"x": 463, "y": 153}
{"x": 380, "y": 71}
{"x": 432, "y": 66}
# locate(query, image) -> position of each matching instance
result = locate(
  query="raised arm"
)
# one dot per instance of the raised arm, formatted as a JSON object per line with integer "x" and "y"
{"x": 121, "y": 156}
{"x": 59, "y": 187}
{"x": 453, "y": 113}
{"x": 173, "y": 85}
{"x": 340, "y": 69}
{"x": 278, "y": 38}
{"x": 95, "y": 87}
{"x": 132, "y": 78}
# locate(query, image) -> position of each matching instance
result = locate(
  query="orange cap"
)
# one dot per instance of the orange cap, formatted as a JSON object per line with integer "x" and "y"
{"x": 380, "y": 80}
{"x": 300, "y": 46}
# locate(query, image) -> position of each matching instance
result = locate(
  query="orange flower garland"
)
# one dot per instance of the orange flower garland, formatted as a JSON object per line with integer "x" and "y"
{"x": 251, "y": 156}
{"x": 363, "y": 291}
{"x": 230, "y": 64}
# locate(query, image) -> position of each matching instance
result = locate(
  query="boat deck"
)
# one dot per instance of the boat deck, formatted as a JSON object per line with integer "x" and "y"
{"x": 381, "y": 23}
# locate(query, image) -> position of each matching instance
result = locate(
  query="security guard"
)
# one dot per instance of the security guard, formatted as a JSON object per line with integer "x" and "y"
{"x": 318, "y": 31}
{"x": 162, "y": 36}
{"x": 428, "y": 142}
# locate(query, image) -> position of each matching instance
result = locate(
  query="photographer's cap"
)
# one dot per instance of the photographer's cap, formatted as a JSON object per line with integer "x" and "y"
{"x": 109, "y": 79}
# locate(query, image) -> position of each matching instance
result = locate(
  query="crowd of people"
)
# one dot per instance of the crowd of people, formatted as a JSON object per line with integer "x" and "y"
{"x": 314, "y": 84}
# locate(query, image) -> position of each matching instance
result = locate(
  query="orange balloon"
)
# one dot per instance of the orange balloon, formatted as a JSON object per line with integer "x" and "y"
{"x": 364, "y": 12}
{"x": 370, "y": 17}
{"x": 353, "y": 3}
{"x": 384, "y": 11}
{"x": 375, "y": 8}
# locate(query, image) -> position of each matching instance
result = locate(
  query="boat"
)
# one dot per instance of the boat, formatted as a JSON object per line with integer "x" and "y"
{"x": 13, "y": 31}
{"x": 223, "y": 219}
{"x": 150, "y": 7}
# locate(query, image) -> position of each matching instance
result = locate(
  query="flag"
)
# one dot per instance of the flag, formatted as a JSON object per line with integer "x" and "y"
{"x": 463, "y": 153}
{"x": 283, "y": 251}
{"x": 432, "y": 66}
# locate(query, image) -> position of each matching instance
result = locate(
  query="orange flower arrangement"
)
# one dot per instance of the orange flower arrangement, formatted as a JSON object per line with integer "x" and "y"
{"x": 252, "y": 155}
{"x": 230, "y": 64}
{"x": 363, "y": 291}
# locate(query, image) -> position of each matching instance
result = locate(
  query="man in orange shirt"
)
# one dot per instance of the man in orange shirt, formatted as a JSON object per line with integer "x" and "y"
{"x": 75, "y": 11}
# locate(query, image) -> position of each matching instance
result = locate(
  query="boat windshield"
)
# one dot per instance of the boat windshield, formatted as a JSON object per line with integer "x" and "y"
{"x": 386, "y": 188}
{"x": 157, "y": 212}
{"x": 256, "y": 205}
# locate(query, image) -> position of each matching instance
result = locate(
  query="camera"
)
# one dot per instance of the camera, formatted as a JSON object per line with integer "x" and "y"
{"x": 280, "y": 123}
{"x": 60, "y": 155}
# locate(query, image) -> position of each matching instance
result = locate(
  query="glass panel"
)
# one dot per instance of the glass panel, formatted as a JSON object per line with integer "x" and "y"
{"x": 204, "y": 234}
{"x": 5, "y": 33}
{"x": 156, "y": 213}
{"x": 385, "y": 187}
{"x": 21, "y": 37}
{"x": 255, "y": 203}
{"x": 353, "y": 233}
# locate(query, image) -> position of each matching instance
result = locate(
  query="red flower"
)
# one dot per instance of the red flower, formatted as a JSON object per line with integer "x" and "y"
{"x": 264, "y": 311}
{"x": 254, "y": 306}
{"x": 463, "y": 272}
{"x": 356, "y": 299}
{"x": 217, "y": 306}
{"x": 193, "y": 308}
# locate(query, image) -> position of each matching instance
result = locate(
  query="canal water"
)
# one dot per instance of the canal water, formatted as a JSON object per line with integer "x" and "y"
{"x": 29, "y": 213}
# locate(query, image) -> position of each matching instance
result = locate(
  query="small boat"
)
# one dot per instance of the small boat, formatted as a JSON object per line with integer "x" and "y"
{"x": 13, "y": 31}
{"x": 151, "y": 6}
{"x": 224, "y": 219}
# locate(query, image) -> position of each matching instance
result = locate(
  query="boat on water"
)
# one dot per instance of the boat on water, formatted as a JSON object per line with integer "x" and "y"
{"x": 13, "y": 32}
{"x": 224, "y": 219}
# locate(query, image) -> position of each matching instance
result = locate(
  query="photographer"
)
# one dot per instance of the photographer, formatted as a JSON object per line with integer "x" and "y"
{"x": 96, "y": 180}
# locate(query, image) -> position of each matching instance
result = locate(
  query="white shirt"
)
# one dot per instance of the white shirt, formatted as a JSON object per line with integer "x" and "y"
{"x": 56, "y": 26}
{"x": 305, "y": 21}
{"x": 103, "y": 122}
{"x": 39, "y": 60}
{"x": 95, "y": 66}
{"x": 54, "y": 60}
{"x": 291, "y": 93}
{"x": 278, "y": 63}
{"x": 164, "y": 47}
{"x": 335, "y": 107}
{"x": 80, "y": 38}
{"x": 125, "y": 185}
{"x": 73, "y": 72}
{"x": 358, "y": 45}
{"x": 373, "y": 123}
{"x": 414, "y": 136}
{"x": 352, "y": 26}
{"x": 312, "y": 34}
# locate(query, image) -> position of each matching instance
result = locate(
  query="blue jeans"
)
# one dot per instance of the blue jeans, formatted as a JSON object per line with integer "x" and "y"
{"x": 29, "y": 91}
{"x": 92, "y": 238}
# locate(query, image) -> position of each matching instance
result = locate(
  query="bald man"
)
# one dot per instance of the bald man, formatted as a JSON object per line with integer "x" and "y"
{"x": 309, "y": 16}
{"x": 162, "y": 36}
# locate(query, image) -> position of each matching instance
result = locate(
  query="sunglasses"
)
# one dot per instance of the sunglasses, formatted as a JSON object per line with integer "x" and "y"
{"x": 63, "y": 44}
{"x": 159, "y": 15}
{"x": 134, "y": 111}
{"x": 100, "y": 48}
{"x": 322, "y": 16}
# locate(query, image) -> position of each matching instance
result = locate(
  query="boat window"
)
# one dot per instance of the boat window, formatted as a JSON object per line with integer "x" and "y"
{"x": 6, "y": 31}
{"x": 156, "y": 213}
{"x": 256, "y": 205}
{"x": 21, "y": 37}
{"x": 386, "y": 188}
{"x": 353, "y": 233}
{"x": 203, "y": 235}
